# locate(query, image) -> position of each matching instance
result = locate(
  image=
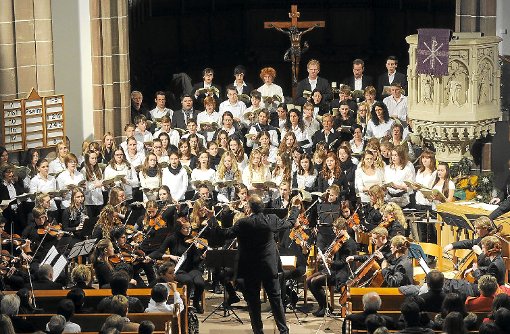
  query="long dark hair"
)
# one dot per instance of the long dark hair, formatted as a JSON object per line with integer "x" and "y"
{"x": 373, "y": 114}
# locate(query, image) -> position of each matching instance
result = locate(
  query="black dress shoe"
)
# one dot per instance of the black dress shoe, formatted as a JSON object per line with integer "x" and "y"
{"x": 320, "y": 312}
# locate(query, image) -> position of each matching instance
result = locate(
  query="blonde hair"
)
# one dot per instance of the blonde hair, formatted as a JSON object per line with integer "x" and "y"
{"x": 377, "y": 192}
{"x": 235, "y": 167}
{"x": 380, "y": 231}
{"x": 395, "y": 210}
{"x": 483, "y": 222}
{"x": 400, "y": 242}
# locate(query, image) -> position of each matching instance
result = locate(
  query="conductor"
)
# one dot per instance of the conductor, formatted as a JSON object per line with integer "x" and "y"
{"x": 258, "y": 259}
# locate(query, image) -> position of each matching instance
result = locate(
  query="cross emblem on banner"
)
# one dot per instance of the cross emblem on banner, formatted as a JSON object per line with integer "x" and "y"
{"x": 433, "y": 52}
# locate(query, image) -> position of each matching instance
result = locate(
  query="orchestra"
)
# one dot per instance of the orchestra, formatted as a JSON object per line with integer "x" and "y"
{"x": 160, "y": 208}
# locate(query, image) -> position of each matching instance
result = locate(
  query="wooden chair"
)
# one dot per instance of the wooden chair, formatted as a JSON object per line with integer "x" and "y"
{"x": 431, "y": 250}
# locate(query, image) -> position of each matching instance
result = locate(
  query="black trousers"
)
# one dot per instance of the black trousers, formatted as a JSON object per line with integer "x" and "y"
{"x": 251, "y": 294}
{"x": 194, "y": 281}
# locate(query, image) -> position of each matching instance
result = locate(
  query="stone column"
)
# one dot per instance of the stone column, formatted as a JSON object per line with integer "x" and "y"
{"x": 26, "y": 48}
{"x": 476, "y": 16}
{"x": 110, "y": 63}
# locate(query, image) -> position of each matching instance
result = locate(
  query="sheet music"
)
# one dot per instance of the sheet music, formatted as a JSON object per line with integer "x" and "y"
{"x": 321, "y": 254}
{"x": 58, "y": 267}
{"x": 50, "y": 256}
{"x": 181, "y": 261}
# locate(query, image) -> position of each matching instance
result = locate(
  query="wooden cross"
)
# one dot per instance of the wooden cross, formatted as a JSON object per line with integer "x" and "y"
{"x": 291, "y": 28}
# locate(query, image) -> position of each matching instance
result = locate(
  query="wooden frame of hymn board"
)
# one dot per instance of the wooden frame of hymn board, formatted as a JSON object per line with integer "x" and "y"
{"x": 34, "y": 122}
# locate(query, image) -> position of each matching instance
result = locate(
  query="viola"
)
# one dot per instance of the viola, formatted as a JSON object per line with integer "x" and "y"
{"x": 335, "y": 246}
{"x": 299, "y": 236}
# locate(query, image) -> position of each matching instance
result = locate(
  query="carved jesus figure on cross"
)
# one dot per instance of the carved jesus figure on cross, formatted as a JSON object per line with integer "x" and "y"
{"x": 293, "y": 54}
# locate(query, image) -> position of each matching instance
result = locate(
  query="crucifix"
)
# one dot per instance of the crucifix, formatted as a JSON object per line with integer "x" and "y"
{"x": 293, "y": 54}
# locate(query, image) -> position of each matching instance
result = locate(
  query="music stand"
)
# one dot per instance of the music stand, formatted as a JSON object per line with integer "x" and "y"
{"x": 222, "y": 259}
{"x": 81, "y": 248}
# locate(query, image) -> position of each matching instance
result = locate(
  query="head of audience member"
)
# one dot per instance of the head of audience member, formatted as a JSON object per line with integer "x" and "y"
{"x": 81, "y": 274}
{"x": 159, "y": 293}
{"x": 166, "y": 271}
{"x": 146, "y": 327}
{"x": 371, "y": 302}
{"x": 66, "y": 308}
{"x": 6, "y": 326}
{"x": 501, "y": 300}
{"x": 25, "y": 297}
{"x": 502, "y": 319}
{"x": 453, "y": 302}
{"x": 120, "y": 305}
{"x": 454, "y": 323}
{"x": 114, "y": 321}
{"x": 119, "y": 283}
{"x": 411, "y": 313}
{"x": 77, "y": 296}
{"x": 45, "y": 272}
{"x": 489, "y": 328}
{"x": 56, "y": 324}
{"x": 435, "y": 280}
{"x": 487, "y": 285}
{"x": 382, "y": 330}
{"x": 10, "y": 305}
{"x": 374, "y": 321}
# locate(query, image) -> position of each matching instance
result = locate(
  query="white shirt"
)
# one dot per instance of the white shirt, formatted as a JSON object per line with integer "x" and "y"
{"x": 451, "y": 186}
{"x": 254, "y": 129}
{"x": 397, "y": 108}
{"x": 236, "y": 109}
{"x": 426, "y": 181}
{"x": 358, "y": 84}
{"x": 313, "y": 83}
{"x": 256, "y": 177}
{"x": 271, "y": 90}
{"x": 398, "y": 176}
{"x": 139, "y": 146}
{"x": 356, "y": 149}
{"x": 40, "y": 185}
{"x": 202, "y": 175}
{"x": 137, "y": 160}
{"x": 364, "y": 181}
{"x": 213, "y": 117}
{"x": 306, "y": 181}
{"x": 163, "y": 306}
{"x": 378, "y": 131}
{"x": 130, "y": 176}
{"x": 301, "y": 136}
{"x": 240, "y": 87}
{"x": 311, "y": 127}
{"x": 178, "y": 184}
{"x": 143, "y": 137}
{"x": 157, "y": 113}
{"x": 65, "y": 179}
{"x": 93, "y": 194}
{"x": 173, "y": 134}
{"x": 56, "y": 166}
{"x": 149, "y": 182}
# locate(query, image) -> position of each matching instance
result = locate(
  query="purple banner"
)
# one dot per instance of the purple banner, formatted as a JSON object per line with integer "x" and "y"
{"x": 432, "y": 52}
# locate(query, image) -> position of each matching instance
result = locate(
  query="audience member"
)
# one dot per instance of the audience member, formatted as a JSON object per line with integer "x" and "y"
{"x": 453, "y": 302}
{"x": 10, "y": 307}
{"x": 454, "y": 324}
{"x": 45, "y": 279}
{"x": 371, "y": 304}
{"x": 65, "y": 308}
{"x": 119, "y": 285}
{"x": 434, "y": 297}
{"x": 146, "y": 327}
{"x": 120, "y": 306}
{"x": 411, "y": 312}
{"x": 6, "y": 326}
{"x": 487, "y": 285}
{"x": 57, "y": 324}
{"x": 159, "y": 298}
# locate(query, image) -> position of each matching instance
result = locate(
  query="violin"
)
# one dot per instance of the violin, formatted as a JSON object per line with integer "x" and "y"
{"x": 157, "y": 222}
{"x": 130, "y": 250}
{"x": 200, "y": 243}
{"x": 353, "y": 220}
{"x": 299, "y": 236}
{"x": 15, "y": 239}
{"x": 386, "y": 223}
{"x": 52, "y": 230}
{"x": 122, "y": 257}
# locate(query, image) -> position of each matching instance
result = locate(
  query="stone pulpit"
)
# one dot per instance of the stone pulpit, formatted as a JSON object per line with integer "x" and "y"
{"x": 453, "y": 111}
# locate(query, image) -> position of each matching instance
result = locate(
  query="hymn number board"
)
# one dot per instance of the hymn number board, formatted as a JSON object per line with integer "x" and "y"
{"x": 34, "y": 122}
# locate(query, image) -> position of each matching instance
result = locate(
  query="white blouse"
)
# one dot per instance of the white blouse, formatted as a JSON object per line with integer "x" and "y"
{"x": 426, "y": 181}
{"x": 363, "y": 181}
{"x": 64, "y": 180}
{"x": 40, "y": 185}
{"x": 130, "y": 175}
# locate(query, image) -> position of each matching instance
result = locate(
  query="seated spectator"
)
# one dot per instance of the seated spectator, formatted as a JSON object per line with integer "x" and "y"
{"x": 371, "y": 304}
{"x": 120, "y": 306}
{"x": 165, "y": 273}
{"x": 119, "y": 285}
{"x": 382, "y": 330}
{"x": 454, "y": 324}
{"x": 146, "y": 327}
{"x": 6, "y": 326}
{"x": 435, "y": 296}
{"x": 489, "y": 328}
{"x": 501, "y": 300}
{"x": 77, "y": 296}
{"x": 57, "y": 324}
{"x": 453, "y": 302}
{"x": 373, "y": 322}
{"x": 82, "y": 277}
{"x": 502, "y": 320}
{"x": 10, "y": 307}
{"x": 26, "y": 302}
{"x": 65, "y": 308}
{"x": 487, "y": 285}
{"x": 45, "y": 279}
{"x": 113, "y": 322}
{"x": 411, "y": 312}
{"x": 159, "y": 297}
